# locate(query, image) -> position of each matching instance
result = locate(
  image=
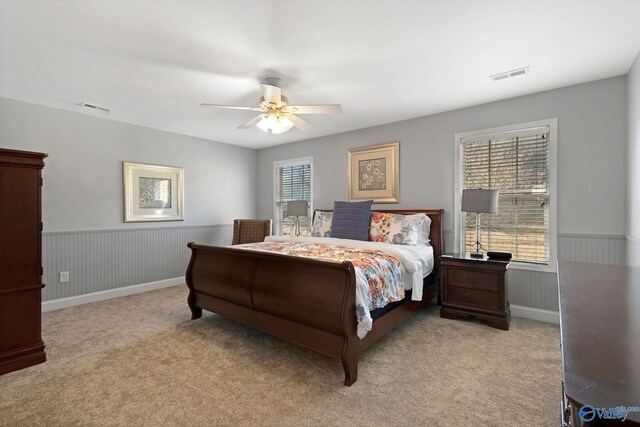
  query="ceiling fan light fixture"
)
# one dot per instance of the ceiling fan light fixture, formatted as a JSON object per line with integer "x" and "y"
{"x": 276, "y": 115}
{"x": 263, "y": 124}
{"x": 275, "y": 123}
{"x": 284, "y": 124}
{"x": 272, "y": 120}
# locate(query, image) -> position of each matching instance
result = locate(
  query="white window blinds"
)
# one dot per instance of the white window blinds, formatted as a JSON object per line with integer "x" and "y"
{"x": 292, "y": 182}
{"x": 518, "y": 167}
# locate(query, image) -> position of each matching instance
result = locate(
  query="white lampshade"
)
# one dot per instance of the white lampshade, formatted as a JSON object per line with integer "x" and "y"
{"x": 480, "y": 201}
{"x": 297, "y": 208}
{"x": 275, "y": 123}
{"x": 263, "y": 124}
{"x": 282, "y": 125}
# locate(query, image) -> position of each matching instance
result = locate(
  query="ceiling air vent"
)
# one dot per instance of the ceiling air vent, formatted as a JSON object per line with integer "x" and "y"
{"x": 95, "y": 108}
{"x": 509, "y": 74}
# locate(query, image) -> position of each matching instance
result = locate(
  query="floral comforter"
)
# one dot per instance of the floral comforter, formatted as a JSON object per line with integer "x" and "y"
{"x": 379, "y": 274}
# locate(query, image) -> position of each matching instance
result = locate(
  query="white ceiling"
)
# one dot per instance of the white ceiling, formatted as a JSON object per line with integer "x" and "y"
{"x": 153, "y": 62}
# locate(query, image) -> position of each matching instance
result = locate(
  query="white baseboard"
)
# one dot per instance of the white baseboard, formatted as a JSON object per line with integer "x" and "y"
{"x": 535, "y": 314}
{"x": 110, "y": 293}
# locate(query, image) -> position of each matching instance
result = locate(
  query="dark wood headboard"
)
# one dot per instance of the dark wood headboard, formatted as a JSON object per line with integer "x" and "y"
{"x": 436, "y": 225}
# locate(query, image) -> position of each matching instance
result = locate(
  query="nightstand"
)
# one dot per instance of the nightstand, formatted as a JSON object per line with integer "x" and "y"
{"x": 475, "y": 287}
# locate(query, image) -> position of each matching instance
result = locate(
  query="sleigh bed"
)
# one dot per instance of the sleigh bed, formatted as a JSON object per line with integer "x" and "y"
{"x": 306, "y": 301}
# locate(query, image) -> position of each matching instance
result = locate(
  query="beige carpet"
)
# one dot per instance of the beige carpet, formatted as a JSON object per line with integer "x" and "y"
{"x": 138, "y": 360}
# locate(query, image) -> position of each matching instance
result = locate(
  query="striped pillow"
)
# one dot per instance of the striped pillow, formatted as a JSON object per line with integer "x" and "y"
{"x": 351, "y": 220}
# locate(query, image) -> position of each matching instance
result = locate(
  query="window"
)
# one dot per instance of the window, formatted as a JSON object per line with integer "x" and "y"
{"x": 518, "y": 161}
{"x": 293, "y": 180}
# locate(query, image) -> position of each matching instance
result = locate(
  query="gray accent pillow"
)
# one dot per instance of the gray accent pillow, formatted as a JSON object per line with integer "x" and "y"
{"x": 351, "y": 220}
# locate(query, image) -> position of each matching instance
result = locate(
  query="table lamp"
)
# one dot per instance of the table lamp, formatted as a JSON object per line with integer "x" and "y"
{"x": 298, "y": 208}
{"x": 479, "y": 201}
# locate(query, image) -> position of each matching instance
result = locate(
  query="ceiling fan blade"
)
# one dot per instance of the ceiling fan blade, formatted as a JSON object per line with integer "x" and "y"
{"x": 251, "y": 122}
{"x": 315, "y": 109}
{"x": 231, "y": 107}
{"x": 271, "y": 93}
{"x": 298, "y": 122}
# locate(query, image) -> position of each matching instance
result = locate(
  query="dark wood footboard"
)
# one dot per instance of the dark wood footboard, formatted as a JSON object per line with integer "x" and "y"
{"x": 305, "y": 301}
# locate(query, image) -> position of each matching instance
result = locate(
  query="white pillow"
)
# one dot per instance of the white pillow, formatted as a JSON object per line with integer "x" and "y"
{"x": 322, "y": 224}
{"x": 398, "y": 229}
{"x": 426, "y": 231}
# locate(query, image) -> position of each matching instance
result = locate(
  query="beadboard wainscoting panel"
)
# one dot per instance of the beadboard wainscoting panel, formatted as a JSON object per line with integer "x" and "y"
{"x": 601, "y": 249}
{"x": 633, "y": 251}
{"x": 539, "y": 289}
{"x": 106, "y": 259}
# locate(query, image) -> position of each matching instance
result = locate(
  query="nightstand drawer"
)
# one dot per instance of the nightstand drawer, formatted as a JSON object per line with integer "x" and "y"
{"x": 473, "y": 297}
{"x": 473, "y": 279}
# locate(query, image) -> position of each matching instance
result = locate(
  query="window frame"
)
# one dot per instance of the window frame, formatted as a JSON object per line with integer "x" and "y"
{"x": 284, "y": 163}
{"x": 552, "y": 124}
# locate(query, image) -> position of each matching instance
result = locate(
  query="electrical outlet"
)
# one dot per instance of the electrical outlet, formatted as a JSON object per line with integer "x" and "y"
{"x": 64, "y": 276}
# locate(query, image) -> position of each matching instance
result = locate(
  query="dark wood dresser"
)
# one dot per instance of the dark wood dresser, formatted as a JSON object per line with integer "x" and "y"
{"x": 20, "y": 259}
{"x": 475, "y": 287}
{"x": 600, "y": 334}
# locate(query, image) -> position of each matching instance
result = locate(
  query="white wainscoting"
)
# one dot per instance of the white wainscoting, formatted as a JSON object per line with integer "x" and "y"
{"x": 598, "y": 248}
{"x": 536, "y": 289}
{"x": 101, "y": 260}
{"x": 633, "y": 251}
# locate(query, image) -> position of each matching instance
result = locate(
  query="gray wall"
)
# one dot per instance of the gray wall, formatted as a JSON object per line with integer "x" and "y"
{"x": 633, "y": 165}
{"x": 83, "y": 173}
{"x": 85, "y": 235}
{"x": 592, "y": 134}
{"x": 83, "y": 192}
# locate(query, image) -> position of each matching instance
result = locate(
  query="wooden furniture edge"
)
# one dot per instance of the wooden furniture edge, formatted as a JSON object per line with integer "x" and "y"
{"x": 20, "y": 158}
{"x": 23, "y": 356}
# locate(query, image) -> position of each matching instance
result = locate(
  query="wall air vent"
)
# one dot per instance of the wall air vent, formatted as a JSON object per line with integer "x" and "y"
{"x": 509, "y": 74}
{"x": 95, "y": 108}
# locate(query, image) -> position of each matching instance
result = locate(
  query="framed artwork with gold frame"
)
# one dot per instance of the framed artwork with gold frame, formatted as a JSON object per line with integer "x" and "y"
{"x": 373, "y": 173}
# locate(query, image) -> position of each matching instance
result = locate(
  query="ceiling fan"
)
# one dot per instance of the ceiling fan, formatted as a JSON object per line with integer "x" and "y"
{"x": 277, "y": 116}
